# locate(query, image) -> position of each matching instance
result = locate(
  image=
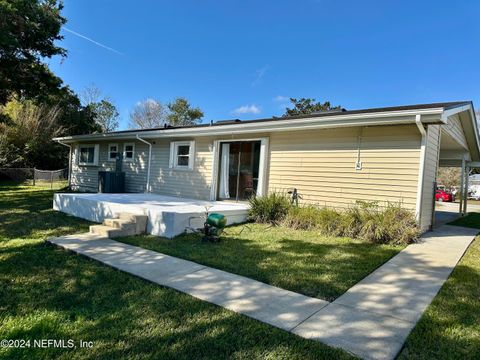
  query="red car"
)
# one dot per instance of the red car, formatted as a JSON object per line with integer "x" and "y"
{"x": 441, "y": 195}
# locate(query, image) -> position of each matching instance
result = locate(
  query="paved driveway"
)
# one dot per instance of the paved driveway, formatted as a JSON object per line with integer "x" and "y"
{"x": 447, "y": 212}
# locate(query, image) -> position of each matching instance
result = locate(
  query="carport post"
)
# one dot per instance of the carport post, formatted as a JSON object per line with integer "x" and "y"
{"x": 465, "y": 193}
{"x": 462, "y": 181}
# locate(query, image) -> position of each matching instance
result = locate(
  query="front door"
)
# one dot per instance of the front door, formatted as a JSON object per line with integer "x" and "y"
{"x": 238, "y": 170}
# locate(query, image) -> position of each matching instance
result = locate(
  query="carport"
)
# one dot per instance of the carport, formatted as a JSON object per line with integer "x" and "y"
{"x": 459, "y": 147}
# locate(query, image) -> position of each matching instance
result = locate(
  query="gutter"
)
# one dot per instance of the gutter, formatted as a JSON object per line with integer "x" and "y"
{"x": 421, "y": 171}
{"x": 149, "y": 160}
{"x": 69, "y": 160}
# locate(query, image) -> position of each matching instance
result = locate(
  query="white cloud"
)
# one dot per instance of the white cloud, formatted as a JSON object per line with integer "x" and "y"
{"x": 247, "y": 109}
{"x": 281, "y": 99}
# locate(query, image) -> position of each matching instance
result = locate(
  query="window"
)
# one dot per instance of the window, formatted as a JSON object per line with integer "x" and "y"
{"x": 128, "y": 151}
{"x": 112, "y": 152}
{"x": 88, "y": 154}
{"x": 182, "y": 154}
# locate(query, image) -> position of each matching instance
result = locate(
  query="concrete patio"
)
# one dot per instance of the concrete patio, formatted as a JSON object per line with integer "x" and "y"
{"x": 168, "y": 216}
{"x": 371, "y": 320}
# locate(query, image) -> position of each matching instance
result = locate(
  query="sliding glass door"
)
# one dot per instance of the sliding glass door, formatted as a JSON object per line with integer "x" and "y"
{"x": 239, "y": 170}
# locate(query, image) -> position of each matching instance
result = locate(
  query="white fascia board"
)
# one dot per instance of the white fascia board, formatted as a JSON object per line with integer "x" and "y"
{"x": 363, "y": 119}
{"x": 475, "y": 126}
{"x": 465, "y": 108}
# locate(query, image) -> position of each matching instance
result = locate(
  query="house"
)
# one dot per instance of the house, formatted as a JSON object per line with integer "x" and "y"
{"x": 333, "y": 158}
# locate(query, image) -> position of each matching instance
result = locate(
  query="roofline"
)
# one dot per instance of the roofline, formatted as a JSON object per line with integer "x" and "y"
{"x": 348, "y": 119}
{"x": 473, "y": 117}
{"x": 466, "y": 107}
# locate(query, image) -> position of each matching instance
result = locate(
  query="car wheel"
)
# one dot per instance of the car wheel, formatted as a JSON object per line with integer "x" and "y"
{"x": 440, "y": 199}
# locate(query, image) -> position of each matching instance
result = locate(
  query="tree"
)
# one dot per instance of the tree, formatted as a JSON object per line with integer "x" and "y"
{"x": 75, "y": 119}
{"x": 27, "y": 140}
{"x": 103, "y": 110}
{"x": 148, "y": 113}
{"x": 91, "y": 94}
{"x": 305, "y": 106}
{"x": 449, "y": 177}
{"x": 182, "y": 114}
{"x": 29, "y": 29}
{"x": 105, "y": 114}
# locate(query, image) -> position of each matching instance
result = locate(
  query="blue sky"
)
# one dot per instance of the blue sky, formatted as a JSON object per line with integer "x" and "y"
{"x": 242, "y": 59}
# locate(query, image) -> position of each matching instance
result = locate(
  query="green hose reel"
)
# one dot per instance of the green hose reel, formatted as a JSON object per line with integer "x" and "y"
{"x": 213, "y": 227}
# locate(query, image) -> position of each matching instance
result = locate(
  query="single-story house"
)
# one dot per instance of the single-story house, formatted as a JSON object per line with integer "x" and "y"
{"x": 332, "y": 158}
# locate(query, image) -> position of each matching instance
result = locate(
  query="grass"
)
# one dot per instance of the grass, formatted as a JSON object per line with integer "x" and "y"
{"x": 472, "y": 220}
{"x": 450, "y": 327}
{"x": 48, "y": 293}
{"x": 296, "y": 260}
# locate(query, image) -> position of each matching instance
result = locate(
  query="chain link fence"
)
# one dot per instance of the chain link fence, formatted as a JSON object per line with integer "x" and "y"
{"x": 53, "y": 179}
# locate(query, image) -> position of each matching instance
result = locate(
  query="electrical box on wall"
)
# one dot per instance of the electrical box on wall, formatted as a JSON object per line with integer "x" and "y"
{"x": 358, "y": 165}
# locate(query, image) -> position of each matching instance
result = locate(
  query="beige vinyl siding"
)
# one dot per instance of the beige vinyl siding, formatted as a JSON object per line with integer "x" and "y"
{"x": 432, "y": 145}
{"x": 321, "y": 164}
{"x": 455, "y": 129}
{"x": 85, "y": 178}
{"x": 193, "y": 183}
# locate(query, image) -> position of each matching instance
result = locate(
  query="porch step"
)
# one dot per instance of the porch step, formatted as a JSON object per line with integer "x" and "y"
{"x": 111, "y": 232}
{"x": 125, "y": 224}
{"x": 119, "y": 223}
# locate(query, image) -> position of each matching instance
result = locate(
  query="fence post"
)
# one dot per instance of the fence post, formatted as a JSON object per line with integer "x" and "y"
{"x": 33, "y": 176}
{"x": 51, "y": 180}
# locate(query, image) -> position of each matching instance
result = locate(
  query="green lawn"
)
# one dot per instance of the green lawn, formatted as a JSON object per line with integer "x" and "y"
{"x": 48, "y": 293}
{"x": 472, "y": 221}
{"x": 450, "y": 327}
{"x": 301, "y": 261}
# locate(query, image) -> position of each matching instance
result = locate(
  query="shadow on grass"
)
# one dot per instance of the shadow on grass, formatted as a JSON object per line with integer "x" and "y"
{"x": 47, "y": 293}
{"x": 28, "y": 213}
{"x": 472, "y": 220}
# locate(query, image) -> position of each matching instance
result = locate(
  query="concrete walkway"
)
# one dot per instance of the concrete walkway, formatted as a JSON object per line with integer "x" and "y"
{"x": 371, "y": 320}
{"x": 278, "y": 307}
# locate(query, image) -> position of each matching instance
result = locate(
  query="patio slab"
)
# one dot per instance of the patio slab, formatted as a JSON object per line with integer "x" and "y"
{"x": 168, "y": 216}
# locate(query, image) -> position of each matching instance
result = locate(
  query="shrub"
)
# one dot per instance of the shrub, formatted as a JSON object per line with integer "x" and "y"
{"x": 390, "y": 224}
{"x": 302, "y": 217}
{"x": 351, "y": 222}
{"x": 271, "y": 208}
{"x": 329, "y": 222}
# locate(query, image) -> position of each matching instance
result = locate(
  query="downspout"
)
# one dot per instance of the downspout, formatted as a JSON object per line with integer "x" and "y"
{"x": 69, "y": 161}
{"x": 149, "y": 161}
{"x": 421, "y": 172}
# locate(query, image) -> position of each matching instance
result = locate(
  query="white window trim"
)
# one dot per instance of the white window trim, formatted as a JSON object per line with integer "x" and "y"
{"x": 108, "y": 151}
{"x": 124, "y": 151}
{"x": 174, "y": 155}
{"x": 263, "y": 166}
{"x": 95, "y": 154}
